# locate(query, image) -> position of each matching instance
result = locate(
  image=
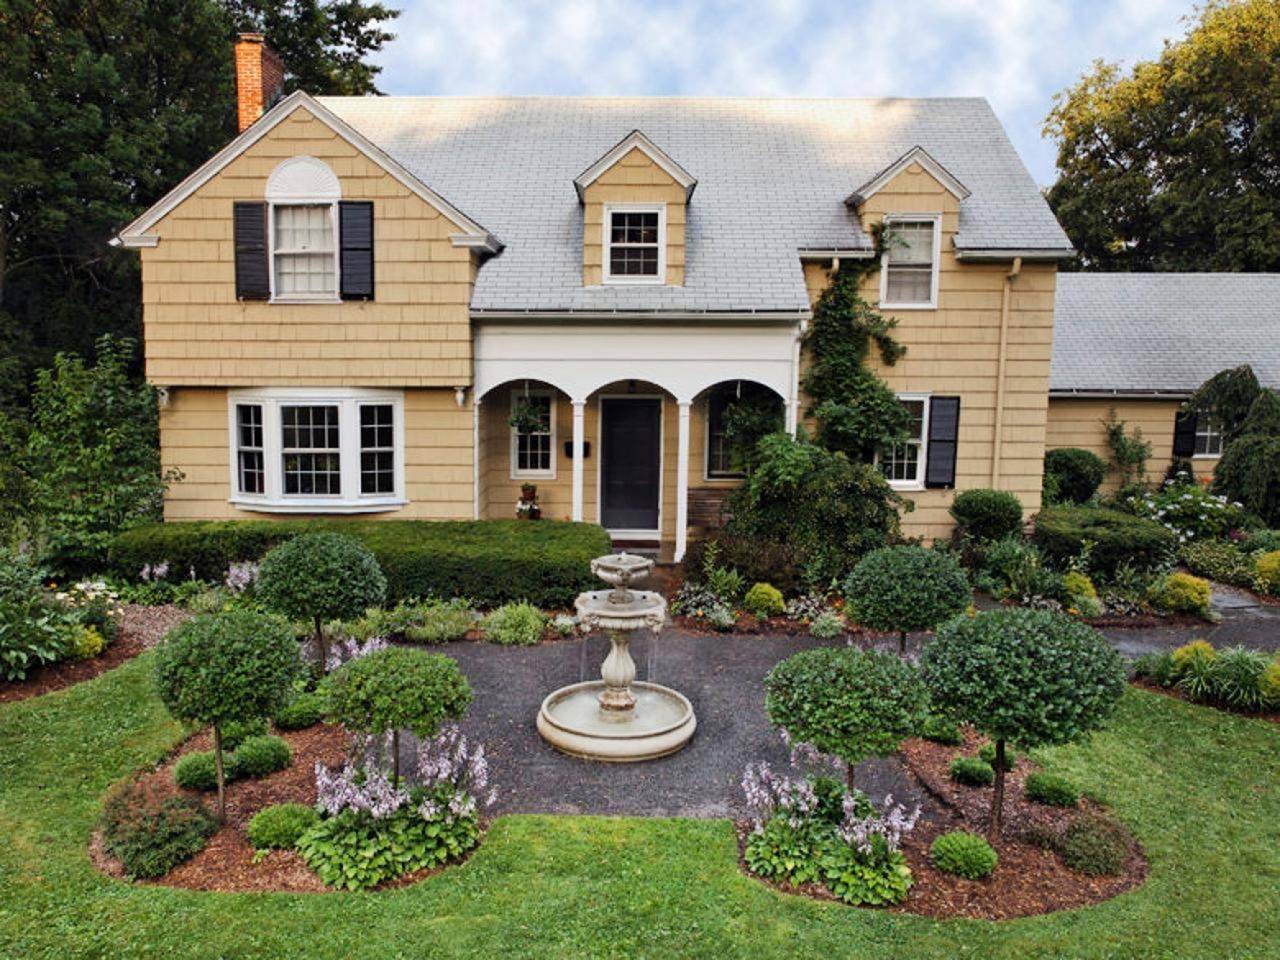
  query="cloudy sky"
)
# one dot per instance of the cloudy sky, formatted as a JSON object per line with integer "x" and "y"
{"x": 1017, "y": 53}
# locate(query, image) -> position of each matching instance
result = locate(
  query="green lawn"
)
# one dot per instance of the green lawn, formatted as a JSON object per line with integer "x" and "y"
{"x": 1200, "y": 788}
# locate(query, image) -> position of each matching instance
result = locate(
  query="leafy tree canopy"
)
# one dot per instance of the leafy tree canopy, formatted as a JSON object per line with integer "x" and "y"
{"x": 1175, "y": 165}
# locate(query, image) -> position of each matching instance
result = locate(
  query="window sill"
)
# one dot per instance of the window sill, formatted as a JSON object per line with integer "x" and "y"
{"x": 303, "y": 301}
{"x": 906, "y": 486}
{"x": 1206, "y": 456}
{"x": 549, "y": 475}
{"x": 318, "y": 505}
{"x": 908, "y": 306}
{"x": 634, "y": 282}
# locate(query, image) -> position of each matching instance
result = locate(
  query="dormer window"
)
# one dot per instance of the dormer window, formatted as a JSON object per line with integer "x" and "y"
{"x": 909, "y": 267}
{"x": 634, "y": 243}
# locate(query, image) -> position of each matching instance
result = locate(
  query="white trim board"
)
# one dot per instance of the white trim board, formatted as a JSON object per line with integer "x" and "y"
{"x": 918, "y": 155}
{"x": 635, "y": 140}
{"x": 135, "y": 234}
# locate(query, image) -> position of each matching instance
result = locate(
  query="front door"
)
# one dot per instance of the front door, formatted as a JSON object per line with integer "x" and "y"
{"x": 630, "y": 462}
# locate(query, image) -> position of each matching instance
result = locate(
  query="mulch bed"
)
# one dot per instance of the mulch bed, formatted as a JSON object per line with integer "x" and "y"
{"x": 226, "y": 863}
{"x": 140, "y": 628}
{"x": 1028, "y": 881}
{"x": 1270, "y": 716}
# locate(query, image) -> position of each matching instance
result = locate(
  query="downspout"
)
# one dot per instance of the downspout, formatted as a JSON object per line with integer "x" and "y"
{"x": 1002, "y": 361}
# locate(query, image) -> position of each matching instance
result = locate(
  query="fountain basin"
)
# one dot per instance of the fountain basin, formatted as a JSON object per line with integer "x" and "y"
{"x": 572, "y": 721}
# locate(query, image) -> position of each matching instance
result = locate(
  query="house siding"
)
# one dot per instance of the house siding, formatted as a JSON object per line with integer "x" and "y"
{"x": 635, "y": 178}
{"x": 954, "y": 351}
{"x": 415, "y": 332}
{"x": 438, "y": 473}
{"x": 1078, "y": 422}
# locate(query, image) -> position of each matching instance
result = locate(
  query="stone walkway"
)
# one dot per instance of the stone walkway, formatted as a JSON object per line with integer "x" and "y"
{"x": 723, "y": 676}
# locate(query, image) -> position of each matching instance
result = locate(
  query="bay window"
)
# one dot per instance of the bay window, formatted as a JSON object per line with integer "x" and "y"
{"x": 337, "y": 450}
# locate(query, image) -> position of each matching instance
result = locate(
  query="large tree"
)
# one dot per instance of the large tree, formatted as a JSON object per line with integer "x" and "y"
{"x": 1175, "y": 165}
{"x": 105, "y": 105}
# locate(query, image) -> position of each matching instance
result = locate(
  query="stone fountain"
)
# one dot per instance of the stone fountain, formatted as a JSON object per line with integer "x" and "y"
{"x": 618, "y": 718}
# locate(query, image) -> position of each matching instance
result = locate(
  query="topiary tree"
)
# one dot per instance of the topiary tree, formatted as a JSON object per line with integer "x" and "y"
{"x": 906, "y": 588}
{"x": 397, "y": 689}
{"x": 987, "y": 514}
{"x": 1078, "y": 473}
{"x": 1034, "y": 677}
{"x": 224, "y": 668}
{"x": 321, "y": 576}
{"x": 849, "y": 703}
{"x": 1249, "y": 471}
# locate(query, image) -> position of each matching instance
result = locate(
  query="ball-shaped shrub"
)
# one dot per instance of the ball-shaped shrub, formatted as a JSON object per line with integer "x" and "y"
{"x": 847, "y": 702}
{"x": 199, "y": 770}
{"x": 304, "y": 710}
{"x": 514, "y": 625}
{"x": 1030, "y": 676}
{"x": 940, "y": 730}
{"x": 906, "y": 588}
{"x": 317, "y": 577}
{"x": 1267, "y": 572}
{"x": 1078, "y": 472}
{"x": 397, "y": 689}
{"x": 279, "y": 827}
{"x": 764, "y": 600}
{"x": 259, "y": 756}
{"x": 1094, "y": 845}
{"x": 238, "y": 731}
{"x": 987, "y": 752}
{"x": 1193, "y": 654}
{"x": 971, "y": 771}
{"x": 963, "y": 854}
{"x": 226, "y": 667}
{"x": 987, "y": 514}
{"x": 1050, "y": 789}
{"x": 1182, "y": 593}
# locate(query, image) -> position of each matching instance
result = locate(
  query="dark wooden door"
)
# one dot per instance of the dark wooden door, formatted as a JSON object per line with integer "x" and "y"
{"x": 630, "y": 462}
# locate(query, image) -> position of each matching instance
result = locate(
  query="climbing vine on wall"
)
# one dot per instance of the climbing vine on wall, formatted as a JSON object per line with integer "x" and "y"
{"x": 855, "y": 410}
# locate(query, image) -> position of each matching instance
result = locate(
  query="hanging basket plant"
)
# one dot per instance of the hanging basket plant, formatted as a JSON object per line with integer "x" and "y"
{"x": 527, "y": 417}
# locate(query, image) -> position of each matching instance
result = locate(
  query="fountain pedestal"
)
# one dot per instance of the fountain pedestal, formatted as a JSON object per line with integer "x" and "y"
{"x": 617, "y": 718}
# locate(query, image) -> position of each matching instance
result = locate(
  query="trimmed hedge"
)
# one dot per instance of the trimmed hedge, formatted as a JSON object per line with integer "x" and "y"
{"x": 1117, "y": 538}
{"x": 490, "y": 561}
{"x": 1079, "y": 472}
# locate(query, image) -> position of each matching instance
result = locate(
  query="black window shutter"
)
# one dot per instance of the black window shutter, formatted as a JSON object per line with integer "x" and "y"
{"x": 253, "y": 282}
{"x": 1184, "y": 435}
{"x": 944, "y": 427}
{"x": 355, "y": 238}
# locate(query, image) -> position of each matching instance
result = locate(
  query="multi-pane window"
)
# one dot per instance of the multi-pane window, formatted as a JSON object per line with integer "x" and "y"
{"x": 377, "y": 448}
{"x": 757, "y": 402}
{"x": 634, "y": 249}
{"x": 311, "y": 450}
{"x": 303, "y": 251}
{"x": 533, "y": 439}
{"x": 909, "y": 263}
{"x": 1208, "y": 437}
{"x": 719, "y": 454}
{"x": 250, "y": 455}
{"x": 903, "y": 463}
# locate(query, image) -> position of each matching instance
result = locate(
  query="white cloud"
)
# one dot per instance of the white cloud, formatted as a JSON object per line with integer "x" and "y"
{"x": 1016, "y": 53}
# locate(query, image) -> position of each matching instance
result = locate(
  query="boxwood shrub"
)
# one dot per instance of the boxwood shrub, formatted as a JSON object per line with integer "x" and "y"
{"x": 491, "y": 561}
{"x": 972, "y": 771}
{"x": 963, "y": 854}
{"x": 1050, "y": 789}
{"x": 279, "y": 827}
{"x": 1077, "y": 473}
{"x": 987, "y": 514}
{"x": 1061, "y": 533}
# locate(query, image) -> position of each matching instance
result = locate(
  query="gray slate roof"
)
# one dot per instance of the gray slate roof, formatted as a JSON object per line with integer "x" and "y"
{"x": 772, "y": 177}
{"x": 1163, "y": 331}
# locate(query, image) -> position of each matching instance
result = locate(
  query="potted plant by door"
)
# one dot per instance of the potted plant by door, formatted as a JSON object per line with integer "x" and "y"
{"x": 527, "y": 507}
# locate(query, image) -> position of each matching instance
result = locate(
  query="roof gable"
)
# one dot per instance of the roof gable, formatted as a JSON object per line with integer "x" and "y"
{"x": 135, "y": 234}
{"x": 918, "y": 155}
{"x": 636, "y": 140}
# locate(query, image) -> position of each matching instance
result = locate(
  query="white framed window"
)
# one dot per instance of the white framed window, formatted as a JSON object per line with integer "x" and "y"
{"x": 533, "y": 451}
{"x": 317, "y": 450}
{"x": 1208, "y": 437}
{"x": 720, "y": 465}
{"x": 903, "y": 463}
{"x": 304, "y": 251}
{"x": 635, "y": 243}
{"x": 909, "y": 265}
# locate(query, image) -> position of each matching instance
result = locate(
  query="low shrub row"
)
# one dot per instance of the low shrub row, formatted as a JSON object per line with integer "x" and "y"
{"x": 1111, "y": 538}
{"x": 256, "y": 756}
{"x": 1235, "y": 679}
{"x": 490, "y": 561}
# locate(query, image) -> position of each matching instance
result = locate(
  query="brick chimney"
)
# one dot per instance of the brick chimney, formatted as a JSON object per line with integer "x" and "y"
{"x": 259, "y": 78}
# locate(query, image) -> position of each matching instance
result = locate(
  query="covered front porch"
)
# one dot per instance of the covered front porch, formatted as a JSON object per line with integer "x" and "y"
{"x": 618, "y": 423}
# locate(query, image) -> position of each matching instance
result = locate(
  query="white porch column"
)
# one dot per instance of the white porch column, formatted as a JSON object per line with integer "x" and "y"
{"x": 579, "y": 468}
{"x": 475, "y": 456}
{"x": 682, "y": 483}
